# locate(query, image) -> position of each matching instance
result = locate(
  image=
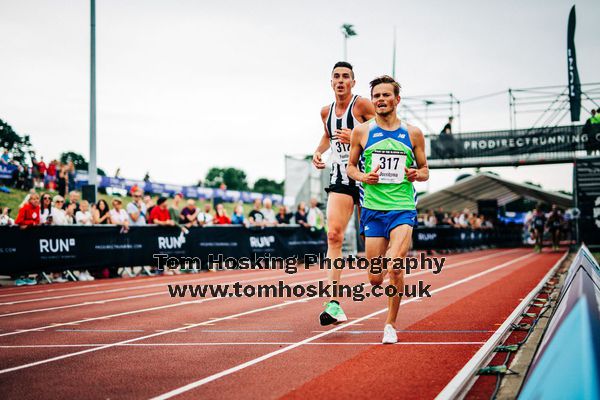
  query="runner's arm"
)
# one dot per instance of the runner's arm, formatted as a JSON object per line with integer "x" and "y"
{"x": 323, "y": 143}
{"x": 364, "y": 109}
{"x": 421, "y": 173}
{"x": 355, "y": 150}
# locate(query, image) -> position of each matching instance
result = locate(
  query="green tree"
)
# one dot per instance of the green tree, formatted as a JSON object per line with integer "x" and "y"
{"x": 234, "y": 178}
{"x": 18, "y": 145}
{"x": 264, "y": 185}
{"x": 79, "y": 161}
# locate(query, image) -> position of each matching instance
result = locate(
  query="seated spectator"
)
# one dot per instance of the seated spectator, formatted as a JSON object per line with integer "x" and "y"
{"x": 5, "y": 219}
{"x": 300, "y": 215}
{"x": 268, "y": 213}
{"x": 256, "y": 217}
{"x": 45, "y": 209}
{"x": 160, "y": 214}
{"x": 149, "y": 202}
{"x": 101, "y": 213}
{"x": 74, "y": 197}
{"x": 70, "y": 214}
{"x": 238, "y": 216}
{"x": 485, "y": 223}
{"x": 283, "y": 216}
{"x": 430, "y": 219}
{"x": 57, "y": 214}
{"x": 83, "y": 216}
{"x": 189, "y": 214}
{"x": 314, "y": 217}
{"x": 174, "y": 210}
{"x": 118, "y": 216}
{"x": 136, "y": 210}
{"x": 221, "y": 217}
{"x": 205, "y": 218}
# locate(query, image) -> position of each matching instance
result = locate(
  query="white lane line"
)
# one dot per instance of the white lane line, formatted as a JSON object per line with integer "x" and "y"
{"x": 48, "y": 346}
{"x": 99, "y": 330}
{"x": 139, "y": 296}
{"x": 257, "y": 360}
{"x": 89, "y": 303}
{"x": 451, "y": 258}
{"x": 19, "y": 331}
{"x": 210, "y": 321}
{"x": 138, "y": 311}
{"x": 179, "y": 282}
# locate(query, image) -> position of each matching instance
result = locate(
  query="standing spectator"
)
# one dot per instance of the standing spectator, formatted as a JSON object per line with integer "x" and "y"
{"x": 160, "y": 214}
{"x": 63, "y": 180}
{"x": 256, "y": 217}
{"x": 268, "y": 212}
{"x": 174, "y": 210}
{"x": 189, "y": 214}
{"x": 83, "y": 216}
{"x": 283, "y": 216}
{"x": 238, "y": 216}
{"x": 43, "y": 169}
{"x": 314, "y": 217}
{"x": 205, "y": 218}
{"x": 29, "y": 213}
{"x": 35, "y": 173}
{"x": 118, "y": 216}
{"x": 5, "y": 158}
{"x": 45, "y": 209}
{"x": 221, "y": 217}
{"x": 137, "y": 210}
{"x": 447, "y": 140}
{"x": 300, "y": 215}
{"x": 101, "y": 213}
{"x": 5, "y": 219}
{"x": 51, "y": 176}
{"x": 71, "y": 175}
{"x": 220, "y": 193}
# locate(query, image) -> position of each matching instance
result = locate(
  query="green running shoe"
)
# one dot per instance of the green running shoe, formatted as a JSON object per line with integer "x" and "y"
{"x": 333, "y": 314}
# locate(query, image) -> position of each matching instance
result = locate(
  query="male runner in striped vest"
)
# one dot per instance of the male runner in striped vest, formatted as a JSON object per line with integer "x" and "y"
{"x": 339, "y": 118}
{"x": 387, "y": 149}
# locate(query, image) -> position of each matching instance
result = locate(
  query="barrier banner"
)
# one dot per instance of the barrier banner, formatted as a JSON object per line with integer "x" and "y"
{"x": 517, "y": 142}
{"x": 587, "y": 199}
{"x": 56, "y": 248}
{"x": 48, "y": 248}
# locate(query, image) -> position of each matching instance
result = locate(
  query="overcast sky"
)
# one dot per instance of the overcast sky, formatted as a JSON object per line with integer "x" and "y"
{"x": 186, "y": 85}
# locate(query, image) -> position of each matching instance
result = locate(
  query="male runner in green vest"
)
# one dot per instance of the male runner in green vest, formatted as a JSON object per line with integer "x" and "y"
{"x": 387, "y": 150}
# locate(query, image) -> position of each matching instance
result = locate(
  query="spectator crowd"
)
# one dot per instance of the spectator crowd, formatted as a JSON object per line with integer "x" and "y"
{"x": 455, "y": 219}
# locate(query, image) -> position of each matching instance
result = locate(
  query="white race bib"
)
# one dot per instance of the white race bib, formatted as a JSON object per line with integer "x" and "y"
{"x": 391, "y": 165}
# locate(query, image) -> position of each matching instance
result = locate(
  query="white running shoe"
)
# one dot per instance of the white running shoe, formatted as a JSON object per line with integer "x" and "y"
{"x": 389, "y": 335}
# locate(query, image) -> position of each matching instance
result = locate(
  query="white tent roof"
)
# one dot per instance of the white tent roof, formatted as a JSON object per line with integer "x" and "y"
{"x": 486, "y": 186}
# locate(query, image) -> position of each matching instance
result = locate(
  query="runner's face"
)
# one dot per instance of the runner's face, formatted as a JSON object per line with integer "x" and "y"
{"x": 384, "y": 100}
{"x": 342, "y": 81}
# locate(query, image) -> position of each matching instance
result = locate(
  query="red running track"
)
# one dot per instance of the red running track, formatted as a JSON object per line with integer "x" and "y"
{"x": 130, "y": 339}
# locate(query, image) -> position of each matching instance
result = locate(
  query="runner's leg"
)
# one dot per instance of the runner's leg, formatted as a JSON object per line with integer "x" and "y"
{"x": 400, "y": 239}
{"x": 339, "y": 211}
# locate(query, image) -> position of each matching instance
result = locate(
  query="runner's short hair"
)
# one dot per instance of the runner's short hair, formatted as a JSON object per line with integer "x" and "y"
{"x": 385, "y": 79}
{"x": 343, "y": 64}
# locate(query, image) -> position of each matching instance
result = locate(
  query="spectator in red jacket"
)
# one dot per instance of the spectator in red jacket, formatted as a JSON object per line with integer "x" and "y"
{"x": 221, "y": 217}
{"x": 29, "y": 213}
{"x": 160, "y": 214}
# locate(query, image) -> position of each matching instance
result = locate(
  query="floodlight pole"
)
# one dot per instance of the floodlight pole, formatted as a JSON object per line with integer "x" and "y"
{"x": 92, "y": 171}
